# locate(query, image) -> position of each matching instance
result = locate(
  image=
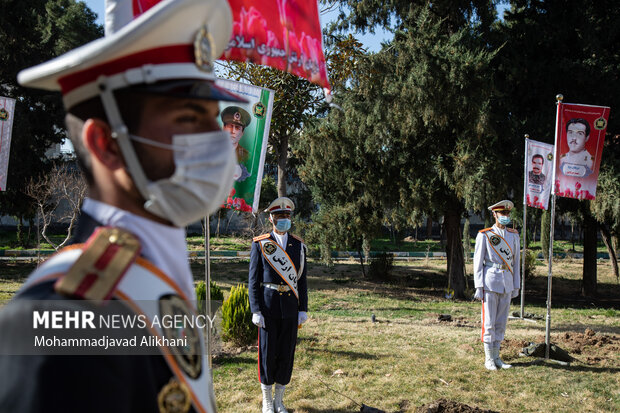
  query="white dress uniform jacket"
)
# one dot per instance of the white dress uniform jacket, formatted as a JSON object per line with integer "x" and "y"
{"x": 490, "y": 271}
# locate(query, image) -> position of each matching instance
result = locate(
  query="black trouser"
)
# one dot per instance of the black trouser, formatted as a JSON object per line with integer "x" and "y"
{"x": 276, "y": 350}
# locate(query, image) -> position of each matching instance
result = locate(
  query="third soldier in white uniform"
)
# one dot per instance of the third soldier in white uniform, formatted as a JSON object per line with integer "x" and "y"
{"x": 497, "y": 279}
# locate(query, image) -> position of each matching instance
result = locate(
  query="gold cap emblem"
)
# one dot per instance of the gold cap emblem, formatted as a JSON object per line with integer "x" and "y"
{"x": 203, "y": 49}
{"x": 174, "y": 397}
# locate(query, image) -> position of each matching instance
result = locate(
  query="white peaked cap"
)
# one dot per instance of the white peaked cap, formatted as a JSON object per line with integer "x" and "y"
{"x": 504, "y": 205}
{"x": 282, "y": 204}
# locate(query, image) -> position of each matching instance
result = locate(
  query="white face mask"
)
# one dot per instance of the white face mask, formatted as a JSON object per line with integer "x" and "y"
{"x": 203, "y": 176}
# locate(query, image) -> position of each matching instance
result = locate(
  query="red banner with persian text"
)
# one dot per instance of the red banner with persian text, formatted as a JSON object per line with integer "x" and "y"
{"x": 283, "y": 34}
{"x": 579, "y": 146}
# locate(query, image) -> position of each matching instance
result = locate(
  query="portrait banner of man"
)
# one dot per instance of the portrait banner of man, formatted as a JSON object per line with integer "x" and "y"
{"x": 539, "y": 167}
{"x": 7, "y": 110}
{"x": 581, "y": 134}
{"x": 248, "y": 125}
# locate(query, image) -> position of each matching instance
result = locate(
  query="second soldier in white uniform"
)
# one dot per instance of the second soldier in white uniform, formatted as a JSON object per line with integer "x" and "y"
{"x": 497, "y": 279}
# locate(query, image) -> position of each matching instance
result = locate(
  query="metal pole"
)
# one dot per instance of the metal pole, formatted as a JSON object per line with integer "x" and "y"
{"x": 525, "y": 156}
{"x": 559, "y": 99}
{"x": 549, "y": 278}
{"x": 208, "y": 288}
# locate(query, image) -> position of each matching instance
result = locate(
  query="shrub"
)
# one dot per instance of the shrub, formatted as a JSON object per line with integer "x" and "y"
{"x": 201, "y": 295}
{"x": 530, "y": 263}
{"x": 381, "y": 266}
{"x": 237, "y": 324}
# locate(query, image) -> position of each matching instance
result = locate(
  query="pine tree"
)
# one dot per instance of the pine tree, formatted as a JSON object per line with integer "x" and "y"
{"x": 31, "y": 32}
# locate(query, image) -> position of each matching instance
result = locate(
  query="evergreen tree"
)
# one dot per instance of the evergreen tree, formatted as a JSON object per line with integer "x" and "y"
{"x": 606, "y": 206}
{"x": 416, "y": 134}
{"x": 567, "y": 47}
{"x": 31, "y": 32}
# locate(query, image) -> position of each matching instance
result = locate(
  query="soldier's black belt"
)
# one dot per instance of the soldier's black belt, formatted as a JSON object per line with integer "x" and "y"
{"x": 279, "y": 287}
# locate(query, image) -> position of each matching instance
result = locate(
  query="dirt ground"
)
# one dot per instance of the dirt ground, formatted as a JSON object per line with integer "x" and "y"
{"x": 450, "y": 406}
{"x": 589, "y": 347}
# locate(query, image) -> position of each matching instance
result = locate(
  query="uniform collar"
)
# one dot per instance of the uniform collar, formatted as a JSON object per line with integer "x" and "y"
{"x": 163, "y": 245}
{"x": 499, "y": 231}
{"x": 281, "y": 239}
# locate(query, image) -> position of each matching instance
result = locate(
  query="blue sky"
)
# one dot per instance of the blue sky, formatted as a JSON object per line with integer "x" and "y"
{"x": 371, "y": 41}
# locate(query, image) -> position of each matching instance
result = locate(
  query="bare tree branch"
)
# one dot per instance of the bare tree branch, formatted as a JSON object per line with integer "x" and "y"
{"x": 58, "y": 197}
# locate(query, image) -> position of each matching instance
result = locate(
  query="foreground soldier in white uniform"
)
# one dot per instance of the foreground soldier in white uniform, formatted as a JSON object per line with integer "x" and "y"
{"x": 142, "y": 114}
{"x": 497, "y": 279}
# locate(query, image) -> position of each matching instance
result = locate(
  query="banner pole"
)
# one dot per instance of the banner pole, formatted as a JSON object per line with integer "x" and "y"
{"x": 208, "y": 286}
{"x": 525, "y": 156}
{"x": 559, "y": 99}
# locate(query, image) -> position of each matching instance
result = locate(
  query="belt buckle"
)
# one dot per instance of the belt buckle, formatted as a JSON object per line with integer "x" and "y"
{"x": 282, "y": 288}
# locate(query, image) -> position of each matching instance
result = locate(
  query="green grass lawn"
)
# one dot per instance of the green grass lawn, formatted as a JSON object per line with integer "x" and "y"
{"x": 407, "y": 358}
{"x": 219, "y": 243}
{"x": 386, "y": 244}
{"x": 8, "y": 240}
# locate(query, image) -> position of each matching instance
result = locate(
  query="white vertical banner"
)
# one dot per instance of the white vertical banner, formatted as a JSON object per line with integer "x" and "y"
{"x": 538, "y": 170}
{"x": 7, "y": 110}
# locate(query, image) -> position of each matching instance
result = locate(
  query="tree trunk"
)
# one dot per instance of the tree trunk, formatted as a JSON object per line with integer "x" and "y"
{"x": 282, "y": 157}
{"x": 606, "y": 235}
{"x": 588, "y": 288}
{"x": 466, "y": 240}
{"x": 366, "y": 249}
{"x": 74, "y": 218}
{"x": 361, "y": 257}
{"x": 429, "y": 228}
{"x": 20, "y": 232}
{"x": 454, "y": 252}
{"x": 30, "y": 226}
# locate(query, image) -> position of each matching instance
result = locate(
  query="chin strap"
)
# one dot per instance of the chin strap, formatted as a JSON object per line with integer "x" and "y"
{"x": 121, "y": 134}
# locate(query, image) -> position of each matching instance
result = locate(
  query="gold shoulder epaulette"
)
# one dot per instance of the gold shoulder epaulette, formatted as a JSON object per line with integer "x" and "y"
{"x": 514, "y": 231}
{"x": 107, "y": 255}
{"x": 486, "y": 229}
{"x": 260, "y": 237}
{"x": 298, "y": 238}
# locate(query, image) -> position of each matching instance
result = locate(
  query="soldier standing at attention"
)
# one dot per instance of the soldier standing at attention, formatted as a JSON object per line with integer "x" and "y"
{"x": 278, "y": 301}
{"x": 497, "y": 279}
{"x": 142, "y": 108}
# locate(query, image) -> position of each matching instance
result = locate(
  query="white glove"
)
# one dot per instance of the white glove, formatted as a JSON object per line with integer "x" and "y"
{"x": 258, "y": 320}
{"x": 302, "y": 317}
{"x": 514, "y": 293}
{"x": 479, "y": 293}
